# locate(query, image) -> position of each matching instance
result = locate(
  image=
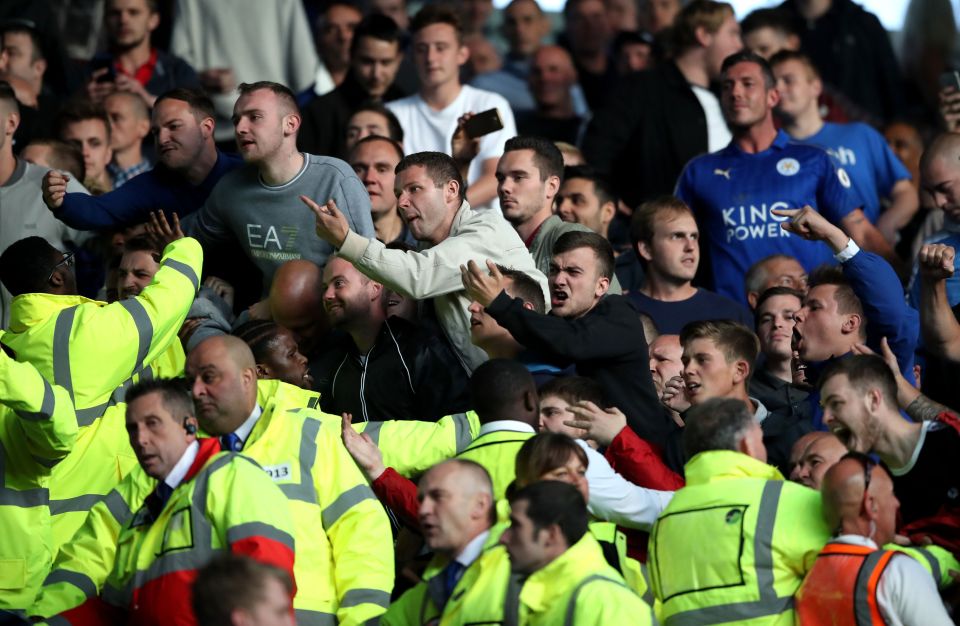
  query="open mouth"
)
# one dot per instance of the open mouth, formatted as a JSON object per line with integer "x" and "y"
{"x": 841, "y": 432}
{"x": 558, "y": 298}
{"x": 692, "y": 388}
{"x": 797, "y": 339}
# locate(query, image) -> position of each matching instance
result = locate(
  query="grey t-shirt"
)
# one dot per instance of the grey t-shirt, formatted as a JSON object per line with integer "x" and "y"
{"x": 272, "y": 224}
{"x": 23, "y": 214}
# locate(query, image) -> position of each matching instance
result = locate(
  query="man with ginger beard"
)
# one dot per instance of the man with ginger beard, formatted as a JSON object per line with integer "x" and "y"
{"x": 379, "y": 367}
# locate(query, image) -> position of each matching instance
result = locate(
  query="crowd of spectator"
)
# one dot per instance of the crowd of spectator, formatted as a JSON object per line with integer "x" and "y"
{"x": 354, "y": 312}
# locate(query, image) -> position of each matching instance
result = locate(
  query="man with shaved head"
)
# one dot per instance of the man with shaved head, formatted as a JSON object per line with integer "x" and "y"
{"x": 852, "y": 576}
{"x": 456, "y": 513}
{"x": 940, "y": 178}
{"x": 344, "y": 566}
{"x": 296, "y": 302}
{"x": 812, "y": 455}
{"x": 551, "y": 80}
{"x": 256, "y": 206}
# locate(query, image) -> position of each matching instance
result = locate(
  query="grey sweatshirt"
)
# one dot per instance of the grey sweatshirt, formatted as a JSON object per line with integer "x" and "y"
{"x": 271, "y": 224}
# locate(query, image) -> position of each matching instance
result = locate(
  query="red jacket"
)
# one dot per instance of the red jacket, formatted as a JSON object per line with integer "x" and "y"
{"x": 160, "y": 592}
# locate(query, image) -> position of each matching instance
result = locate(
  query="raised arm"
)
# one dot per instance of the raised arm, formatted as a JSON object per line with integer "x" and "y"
{"x": 130, "y": 204}
{"x": 418, "y": 274}
{"x": 44, "y": 412}
{"x": 941, "y": 331}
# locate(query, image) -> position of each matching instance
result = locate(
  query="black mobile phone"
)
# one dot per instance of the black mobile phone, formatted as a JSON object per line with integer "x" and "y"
{"x": 110, "y": 75}
{"x": 483, "y": 124}
{"x": 950, "y": 79}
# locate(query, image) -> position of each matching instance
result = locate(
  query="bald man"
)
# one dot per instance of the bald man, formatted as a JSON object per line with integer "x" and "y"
{"x": 296, "y": 302}
{"x": 852, "y": 576}
{"x": 456, "y": 513}
{"x": 812, "y": 455}
{"x": 940, "y": 178}
{"x": 343, "y": 537}
{"x": 551, "y": 80}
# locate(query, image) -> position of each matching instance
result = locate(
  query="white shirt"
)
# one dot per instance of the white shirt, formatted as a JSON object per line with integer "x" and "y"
{"x": 175, "y": 477}
{"x": 718, "y": 135}
{"x": 427, "y": 129}
{"x": 247, "y": 427}
{"x": 507, "y": 425}
{"x": 615, "y": 499}
{"x": 761, "y": 413}
{"x": 471, "y": 552}
{"x": 906, "y": 594}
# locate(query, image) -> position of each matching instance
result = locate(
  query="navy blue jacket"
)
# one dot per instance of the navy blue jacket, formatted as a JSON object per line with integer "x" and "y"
{"x": 887, "y": 312}
{"x": 159, "y": 189}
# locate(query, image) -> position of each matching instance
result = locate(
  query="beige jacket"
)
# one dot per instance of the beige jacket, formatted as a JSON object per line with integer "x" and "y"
{"x": 434, "y": 272}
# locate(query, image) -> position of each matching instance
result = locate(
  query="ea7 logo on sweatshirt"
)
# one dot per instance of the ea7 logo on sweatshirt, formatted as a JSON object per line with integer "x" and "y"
{"x": 272, "y": 242}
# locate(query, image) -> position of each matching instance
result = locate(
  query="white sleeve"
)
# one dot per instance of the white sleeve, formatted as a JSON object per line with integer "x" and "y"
{"x": 615, "y": 499}
{"x": 907, "y": 595}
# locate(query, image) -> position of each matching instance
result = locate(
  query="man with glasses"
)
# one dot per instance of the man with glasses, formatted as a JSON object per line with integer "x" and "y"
{"x": 95, "y": 351}
{"x": 852, "y": 576}
{"x": 22, "y": 211}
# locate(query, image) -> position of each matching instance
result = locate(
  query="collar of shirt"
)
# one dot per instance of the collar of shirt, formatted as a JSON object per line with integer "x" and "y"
{"x": 781, "y": 141}
{"x": 529, "y": 240}
{"x": 856, "y": 540}
{"x": 507, "y": 425}
{"x": 175, "y": 477}
{"x": 472, "y": 551}
{"x": 144, "y": 73}
{"x": 247, "y": 427}
{"x": 761, "y": 413}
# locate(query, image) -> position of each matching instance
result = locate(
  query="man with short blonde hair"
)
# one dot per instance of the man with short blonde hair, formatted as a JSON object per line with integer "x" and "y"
{"x": 666, "y": 239}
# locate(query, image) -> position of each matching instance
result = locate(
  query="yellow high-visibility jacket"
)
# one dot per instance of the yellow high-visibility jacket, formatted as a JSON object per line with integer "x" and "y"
{"x": 496, "y": 451}
{"x": 734, "y": 544}
{"x": 409, "y": 447}
{"x": 96, "y": 351}
{"x": 579, "y": 587}
{"x": 37, "y": 430}
{"x": 224, "y": 503}
{"x": 344, "y": 567}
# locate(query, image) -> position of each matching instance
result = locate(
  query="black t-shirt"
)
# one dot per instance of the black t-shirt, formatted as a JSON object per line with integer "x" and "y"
{"x": 932, "y": 480}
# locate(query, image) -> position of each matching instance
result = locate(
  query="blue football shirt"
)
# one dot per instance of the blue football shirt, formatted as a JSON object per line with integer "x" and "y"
{"x": 863, "y": 152}
{"x": 732, "y": 194}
